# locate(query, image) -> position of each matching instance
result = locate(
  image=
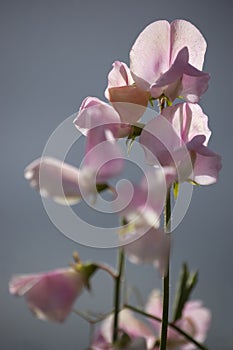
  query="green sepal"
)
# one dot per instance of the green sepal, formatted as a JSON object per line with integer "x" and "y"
{"x": 101, "y": 187}
{"x": 185, "y": 286}
{"x": 87, "y": 271}
{"x": 176, "y": 187}
{"x": 192, "y": 182}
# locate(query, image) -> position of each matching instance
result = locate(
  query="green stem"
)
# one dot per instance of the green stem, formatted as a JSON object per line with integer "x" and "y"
{"x": 167, "y": 228}
{"x": 117, "y": 294}
{"x": 186, "y": 335}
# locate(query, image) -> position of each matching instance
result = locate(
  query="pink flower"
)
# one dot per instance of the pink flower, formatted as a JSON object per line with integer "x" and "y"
{"x": 94, "y": 112}
{"x": 195, "y": 321}
{"x": 49, "y": 295}
{"x": 151, "y": 248}
{"x": 141, "y": 205}
{"x": 127, "y": 98}
{"x": 129, "y": 324}
{"x": 168, "y": 59}
{"x": 178, "y": 138}
{"x": 66, "y": 184}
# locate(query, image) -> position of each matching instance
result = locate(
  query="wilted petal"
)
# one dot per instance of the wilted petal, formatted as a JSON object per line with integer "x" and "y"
{"x": 49, "y": 295}
{"x": 56, "y": 179}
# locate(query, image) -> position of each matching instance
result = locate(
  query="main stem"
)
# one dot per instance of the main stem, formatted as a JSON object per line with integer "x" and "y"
{"x": 117, "y": 294}
{"x": 167, "y": 228}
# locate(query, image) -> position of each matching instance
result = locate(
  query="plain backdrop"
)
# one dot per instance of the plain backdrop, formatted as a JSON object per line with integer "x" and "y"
{"x": 53, "y": 54}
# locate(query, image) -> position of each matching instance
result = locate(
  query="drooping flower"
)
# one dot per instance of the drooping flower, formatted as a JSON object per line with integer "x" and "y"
{"x": 168, "y": 59}
{"x": 49, "y": 295}
{"x": 66, "y": 184}
{"x": 137, "y": 331}
{"x": 178, "y": 138}
{"x": 195, "y": 321}
{"x": 128, "y": 99}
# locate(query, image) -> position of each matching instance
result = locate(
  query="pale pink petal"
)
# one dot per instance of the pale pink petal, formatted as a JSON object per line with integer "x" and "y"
{"x": 49, "y": 295}
{"x": 94, "y": 112}
{"x": 184, "y": 33}
{"x": 141, "y": 205}
{"x": 120, "y": 75}
{"x": 55, "y": 179}
{"x": 103, "y": 154}
{"x": 149, "y": 248}
{"x": 206, "y": 167}
{"x": 150, "y": 54}
{"x": 188, "y": 121}
{"x": 129, "y": 324}
{"x": 181, "y": 79}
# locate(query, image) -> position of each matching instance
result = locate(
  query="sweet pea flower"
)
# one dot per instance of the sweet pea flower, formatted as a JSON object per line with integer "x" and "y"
{"x": 178, "y": 138}
{"x": 127, "y": 98}
{"x": 141, "y": 205}
{"x": 49, "y": 295}
{"x": 66, "y": 184}
{"x": 150, "y": 248}
{"x": 139, "y": 333}
{"x": 167, "y": 58}
{"x": 93, "y": 113}
{"x": 195, "y": 321}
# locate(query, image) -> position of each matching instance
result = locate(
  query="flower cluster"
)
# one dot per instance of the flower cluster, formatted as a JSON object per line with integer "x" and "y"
{"x": 166, "y": 63}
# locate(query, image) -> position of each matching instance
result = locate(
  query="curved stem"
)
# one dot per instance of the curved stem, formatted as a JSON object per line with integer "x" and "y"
{"x": 167, "y": 228}
{"x": 172, "y": 325}
{"x": 117, "y": 293}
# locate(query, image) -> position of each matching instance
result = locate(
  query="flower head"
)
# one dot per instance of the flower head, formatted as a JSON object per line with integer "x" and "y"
{"x": 168, "y": 58}
{"x": 49, "y": 295}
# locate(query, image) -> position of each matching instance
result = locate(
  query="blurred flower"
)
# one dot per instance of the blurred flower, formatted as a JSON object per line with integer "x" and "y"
{"x": 141, "y": 205}
{"x": 178, "y": 138}
{"x": 195, "y": 321}
{"x": 49, "y": 295}
{"x": 151, "y": 247}
{"x": 168, "y": 58}
{"x": 139, "y": 334}
{"x": 66, "y": 184}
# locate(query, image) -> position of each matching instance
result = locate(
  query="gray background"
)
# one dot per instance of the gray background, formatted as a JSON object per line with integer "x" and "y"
{"x": 53, "y": 54}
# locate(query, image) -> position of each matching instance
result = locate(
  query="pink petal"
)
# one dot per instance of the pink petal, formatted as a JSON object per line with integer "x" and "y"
{"x": 206, "y": 167}
{"x": 188, "y": 121}
{"x": 55, "y": 179}
{"x": 94, "y": 112}
{"x": 181, "y": 79}
{"x": 150, "y": 248}
{"x": 184, "y": 33}
{"x": 49, "y": 295}
{"x": 150, "y": 54}
{"x": 103, "y": 154}
{"x": 120, "y": 75}
{"x": 129, "y": 324}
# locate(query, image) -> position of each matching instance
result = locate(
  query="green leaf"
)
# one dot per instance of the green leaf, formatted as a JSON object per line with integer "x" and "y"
{"x": 185, "y": 286}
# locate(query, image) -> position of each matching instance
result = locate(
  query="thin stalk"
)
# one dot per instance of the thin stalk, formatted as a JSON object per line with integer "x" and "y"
{"x": 117, "y": 293}
{"x": 167, "y": 228}
{"x": 172, "y": 325}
